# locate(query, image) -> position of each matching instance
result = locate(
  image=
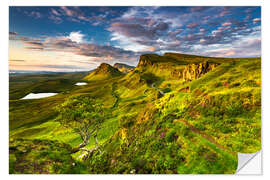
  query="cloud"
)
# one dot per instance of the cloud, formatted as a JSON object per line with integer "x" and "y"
{"x": 193, "y": 25}
{"x": 199, "y": 8}
{"x": 108, "y": 52}
{"x": 225, "y": 11}
{"x": 138, "y": 30}
{"x": 250, "y": 47}
{"x": 60, "y": 43}
{"x": 55, "y": 19}
{"x": 72, "y": 11}
{"x": 74, "y": 44}
{"x": 227, "y": 24}
{"x": 76, "y": 37}
{"x": 17, "y": 60}
{"x": 13, "y": 33}
{"x": 34, "y": 14}
{"x": 31, "y": 43}
{"x": 256, "y": 20}
{"x": 55, "y": 12}
{"x": 76, "y": 14}
{"x": 34, "y": 48}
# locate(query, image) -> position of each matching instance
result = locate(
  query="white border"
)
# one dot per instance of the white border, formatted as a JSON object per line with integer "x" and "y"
{"x": 4, "y": 76}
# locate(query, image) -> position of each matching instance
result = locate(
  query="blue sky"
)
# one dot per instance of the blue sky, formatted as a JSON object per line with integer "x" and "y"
{"x": 80, "y": 38}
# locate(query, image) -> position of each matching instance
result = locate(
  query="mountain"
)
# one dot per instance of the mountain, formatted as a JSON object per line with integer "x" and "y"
{"x": 203, "y": 115}
{"x": 104, "y": 71}
{"x": 123, "y": 67}
{"x": 178, "y": 66}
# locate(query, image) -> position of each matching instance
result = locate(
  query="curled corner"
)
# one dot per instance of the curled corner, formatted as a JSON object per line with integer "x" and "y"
{"x": 249, "y": 163}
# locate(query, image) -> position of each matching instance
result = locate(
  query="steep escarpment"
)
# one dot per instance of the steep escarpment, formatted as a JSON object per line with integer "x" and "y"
{"x": 180, "y": 68}
{"x": 104, "y": 71}
{"x": 194, "y": 71}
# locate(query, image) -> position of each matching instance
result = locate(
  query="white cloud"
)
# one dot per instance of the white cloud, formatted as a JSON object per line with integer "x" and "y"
{"x": 77, "y": 37}
{"x": 127, "y": 43}
{"x": 227, "y": 24}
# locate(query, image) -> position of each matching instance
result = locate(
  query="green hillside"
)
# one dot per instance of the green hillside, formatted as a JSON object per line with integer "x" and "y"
{"x": 172, "y": 114}
{"x": 104, "y": 71}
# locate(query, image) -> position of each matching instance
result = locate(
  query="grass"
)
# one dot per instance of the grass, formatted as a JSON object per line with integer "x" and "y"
{"x": 22, "y": 84}
{"x": 146, "y": 133}
{"x": 104, "y": 71}
{"x": 42, "y": 157}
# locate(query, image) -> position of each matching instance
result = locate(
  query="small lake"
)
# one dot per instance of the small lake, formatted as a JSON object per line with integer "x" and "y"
{"x": 80, "y": 83}
{"x": 38, "y": 95}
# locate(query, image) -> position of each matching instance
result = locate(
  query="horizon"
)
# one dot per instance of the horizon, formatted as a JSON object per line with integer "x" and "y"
{"x": 116, "y": 63}
{"x": 70, "y": 39}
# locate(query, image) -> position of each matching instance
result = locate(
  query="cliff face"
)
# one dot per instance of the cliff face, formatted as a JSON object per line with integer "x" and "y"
{"x": 194, "y": 71}
{"x": 171, "y": 68}
{"x": 148, "y": 60}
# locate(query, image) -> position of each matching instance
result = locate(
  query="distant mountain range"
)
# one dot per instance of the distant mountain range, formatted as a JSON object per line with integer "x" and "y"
{"x": 124, "y": 68}
{"x": 39, "y": 72}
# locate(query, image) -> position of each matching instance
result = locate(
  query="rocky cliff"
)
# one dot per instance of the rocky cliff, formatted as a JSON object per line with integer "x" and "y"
{"x": 174, "y": 68}
{"x": 193, "y": 71}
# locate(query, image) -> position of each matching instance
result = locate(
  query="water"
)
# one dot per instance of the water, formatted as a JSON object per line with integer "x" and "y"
{"x": 80, "y": 83}
{"x": 38, "y": 95}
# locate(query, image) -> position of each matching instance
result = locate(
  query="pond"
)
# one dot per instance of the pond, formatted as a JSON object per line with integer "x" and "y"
{"x": 80, "y": 83}
{"x": 38, "y": 95}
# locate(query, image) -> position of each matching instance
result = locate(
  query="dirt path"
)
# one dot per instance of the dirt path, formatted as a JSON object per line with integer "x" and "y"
{"x": 206, "y": 136}
{"x": 115, "y": 95}
{"x": 161, "y": 92}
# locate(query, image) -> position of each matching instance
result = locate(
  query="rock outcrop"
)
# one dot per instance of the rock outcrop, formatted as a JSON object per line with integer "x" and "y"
{"x": 194, "y": 71}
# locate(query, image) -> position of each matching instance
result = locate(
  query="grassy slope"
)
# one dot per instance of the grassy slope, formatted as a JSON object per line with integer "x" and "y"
{"x": 223, "y": 105}
{"x": 148, "y": 134}
{"x": 34, "y": 118}
{"x": 104, "y": 71}
{"x": 22, "y": 84}
{"x": 42, "y": 157}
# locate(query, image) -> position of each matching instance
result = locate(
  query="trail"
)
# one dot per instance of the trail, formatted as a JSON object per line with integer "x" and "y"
{"x": 206, "y": 136}
{"x": 115, "y": 95}
{"x": 161, "y": 92}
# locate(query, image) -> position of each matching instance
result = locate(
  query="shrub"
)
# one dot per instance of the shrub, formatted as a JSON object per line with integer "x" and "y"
{"x": 166, "y": 90}
{"x": 171, "y": 136}
{"x": 126, "y": 121}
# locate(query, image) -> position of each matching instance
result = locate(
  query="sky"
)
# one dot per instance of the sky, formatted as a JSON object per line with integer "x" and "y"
{"x": 80, "y": 38}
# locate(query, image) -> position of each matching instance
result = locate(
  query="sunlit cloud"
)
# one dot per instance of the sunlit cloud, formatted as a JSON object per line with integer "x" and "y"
{"x": 83, "y": 37}
{"x": 76, "y": 37}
